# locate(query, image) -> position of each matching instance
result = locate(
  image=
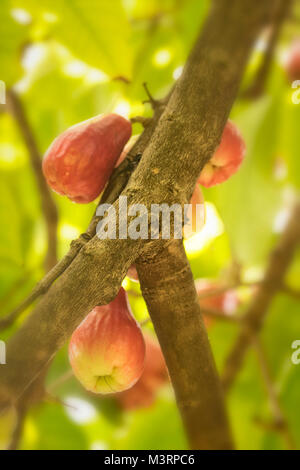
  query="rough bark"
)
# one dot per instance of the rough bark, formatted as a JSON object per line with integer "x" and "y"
{"x": 257, "y": 88}
{"x": 168, "y": 288}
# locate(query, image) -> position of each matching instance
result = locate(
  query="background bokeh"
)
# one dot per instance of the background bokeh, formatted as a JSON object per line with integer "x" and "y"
{"x": 70, "y": 60}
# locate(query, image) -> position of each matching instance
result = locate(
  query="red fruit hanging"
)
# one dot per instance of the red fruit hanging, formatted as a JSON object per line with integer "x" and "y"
{"x": 227, "y": 158}
{"x": 80, "y": 161}
{"x": 107, "y": 350}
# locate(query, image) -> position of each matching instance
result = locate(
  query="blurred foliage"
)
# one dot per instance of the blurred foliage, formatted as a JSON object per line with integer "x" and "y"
{"x": 70, "y": 60}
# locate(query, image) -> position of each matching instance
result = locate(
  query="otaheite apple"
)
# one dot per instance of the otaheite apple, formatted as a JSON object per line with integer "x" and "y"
{"x": 155, "y": 374}
{"x": 80, "y": 161}
{"x": 227, "y": 158}
{"x": 107, "y": 350}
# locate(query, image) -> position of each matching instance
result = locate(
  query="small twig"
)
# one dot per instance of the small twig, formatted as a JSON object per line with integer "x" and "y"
{"x": 257, "y": 88}
{"x": 121, "y": 78}
{"x": 141, "y": 120}
{"x": 45, "y": 283}
{"x": 59, "y": 381}
{"x": 53, "y": 399}
{"x": 154, "y": 103}
{"x": 279, "y": 421}
{"x": 14, "y": 288}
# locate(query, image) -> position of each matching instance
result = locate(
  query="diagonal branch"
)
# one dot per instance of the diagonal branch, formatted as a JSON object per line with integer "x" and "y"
{"x": 279, "y": 262}
{"x": 48, "y": 206}
{"x": 279, "y": 420}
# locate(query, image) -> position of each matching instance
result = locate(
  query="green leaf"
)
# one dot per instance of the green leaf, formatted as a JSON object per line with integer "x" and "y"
{"x": 96, "y": 31}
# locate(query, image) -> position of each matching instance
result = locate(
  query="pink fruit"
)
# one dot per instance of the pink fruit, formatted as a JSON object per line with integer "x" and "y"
{"x": 292, "y": 64}
{"x": 80, "y": 161}
{"x": 225, "y": 301}
{"x": 155, "y": 374}
{"x": 227, "y": 158}
{"x": 107, "y": 350}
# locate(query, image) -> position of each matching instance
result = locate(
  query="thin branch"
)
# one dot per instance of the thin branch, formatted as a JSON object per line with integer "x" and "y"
{"x": 169, "y": 291}
{"x": 13, "y": 289}
{"x": 117, "y": 183}
{"x": 291, "y": 291}
{"x": 279, "y": 262}
{"x": 141, "y": 120}
{"x": 279, "y": 420}
{"x": 49, "y": 209}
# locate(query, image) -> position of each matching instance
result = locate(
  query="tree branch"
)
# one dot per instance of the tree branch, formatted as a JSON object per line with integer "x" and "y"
{"x": 276, "y": 270}
{"x": 185, "y": 138}
{"x": 257, "y": 88}
{"x": 116, "y": 185}
{"x": 48, "y": 206}
{"x": 168, "y": 288}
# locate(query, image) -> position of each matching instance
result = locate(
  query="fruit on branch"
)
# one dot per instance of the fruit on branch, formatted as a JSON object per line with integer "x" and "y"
{"x": 107, "y": 350}
{"x": 213, "y": 295}
{"x": 80, "y": 161}
{"x": 227, "y": 158}
{"x": 155, "y": 374}
{"x": 292, "y": 63}
{"x": 127, "y": 148}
